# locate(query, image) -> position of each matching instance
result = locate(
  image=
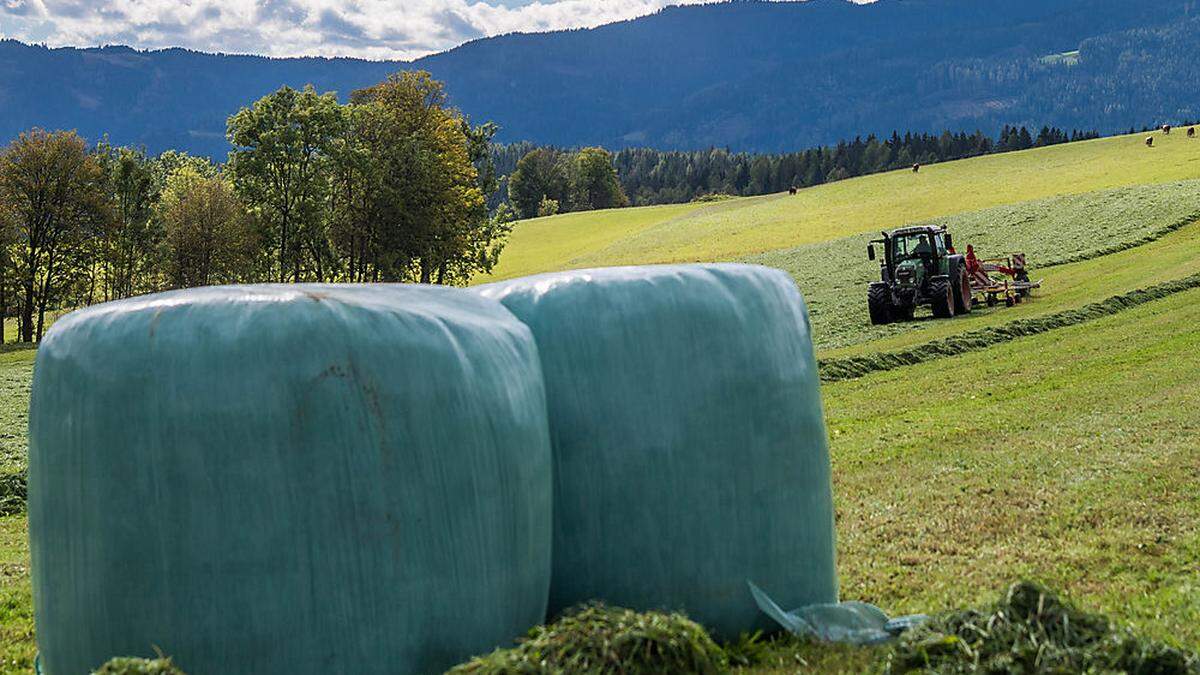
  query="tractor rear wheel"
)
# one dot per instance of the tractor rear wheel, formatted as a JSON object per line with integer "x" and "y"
{"x": 943, "y": 298}
{"x": 879, "y": 302}
{"x": 963, "y": 298}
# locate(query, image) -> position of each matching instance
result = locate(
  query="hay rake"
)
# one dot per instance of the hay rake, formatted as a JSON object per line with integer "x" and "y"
{"x": 1003, "y": 278}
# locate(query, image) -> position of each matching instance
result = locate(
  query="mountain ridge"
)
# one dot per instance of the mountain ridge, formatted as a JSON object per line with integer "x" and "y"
{"x": 754, "y": 76}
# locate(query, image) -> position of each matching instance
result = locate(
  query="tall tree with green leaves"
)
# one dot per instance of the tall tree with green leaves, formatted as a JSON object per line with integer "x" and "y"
{"x": 595, "y": 180}
{"x": 126, "y": 249}
{"x": 540, "y": 175}
{"x": 208, "y": 235}
{"x": 432, "y": 209}
{"x": 54, "y": 201}
{"x": 356, "y": 194}
{"x": 279, "y": 167}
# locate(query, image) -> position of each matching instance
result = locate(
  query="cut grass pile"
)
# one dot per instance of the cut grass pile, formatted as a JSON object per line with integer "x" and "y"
{"x": 742, "y": 227}
{"x": 13, "y": 493}
{"x": 1028, "y": 630}
{"x": 1031, "y": 630}
{"x": 135, "y": 666}
{"x": 834, "y": 275}
{"x": 598, "y": 640}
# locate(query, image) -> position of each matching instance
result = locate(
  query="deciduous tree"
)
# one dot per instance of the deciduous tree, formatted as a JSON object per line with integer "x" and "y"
{"x": 208, "y": 237}
{"x": 54, "y": 201}
{"x": 279, "y": 168}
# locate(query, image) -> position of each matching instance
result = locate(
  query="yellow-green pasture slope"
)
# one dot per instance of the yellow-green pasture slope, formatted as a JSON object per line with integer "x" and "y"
{"x": 741, "y": 227}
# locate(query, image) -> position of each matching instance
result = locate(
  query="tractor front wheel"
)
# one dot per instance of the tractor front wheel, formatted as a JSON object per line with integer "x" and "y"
{"x": 943, "y": 298}
{"x": 879, "y": 302}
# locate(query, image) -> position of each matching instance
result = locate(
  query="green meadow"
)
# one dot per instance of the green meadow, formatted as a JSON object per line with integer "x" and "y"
{"x": 1068, "y": 457}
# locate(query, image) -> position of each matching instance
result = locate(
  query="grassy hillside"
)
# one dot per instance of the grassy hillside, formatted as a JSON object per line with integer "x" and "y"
{"x": 742, "y": 227}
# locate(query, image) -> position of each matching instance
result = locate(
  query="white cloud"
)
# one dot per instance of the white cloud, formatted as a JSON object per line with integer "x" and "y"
{"x": 377, "y": 29}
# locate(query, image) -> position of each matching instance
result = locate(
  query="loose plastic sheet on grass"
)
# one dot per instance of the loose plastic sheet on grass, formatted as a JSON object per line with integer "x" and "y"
{"x": 689, "y": 441}
{"x": 852, "y": 622}
{"x": 288, "y": 479}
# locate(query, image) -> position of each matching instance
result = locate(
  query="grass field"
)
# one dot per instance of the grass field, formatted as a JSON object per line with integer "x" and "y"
{"x": 1069, "y": 457}
{"x": 737, "y": 228}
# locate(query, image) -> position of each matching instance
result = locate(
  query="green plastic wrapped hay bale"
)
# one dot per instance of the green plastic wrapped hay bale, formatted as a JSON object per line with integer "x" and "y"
{"x": 689, "y": 440}
{"x": 288, "y": 479}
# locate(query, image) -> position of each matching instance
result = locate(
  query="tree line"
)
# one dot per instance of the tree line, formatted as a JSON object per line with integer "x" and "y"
{"x": 391, "y": 186}
{"x": 646, "y": 176}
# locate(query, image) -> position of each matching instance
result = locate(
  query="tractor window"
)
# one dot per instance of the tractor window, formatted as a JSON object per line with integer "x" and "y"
{"x": 909, "y": 246}
{"x": 939, "y": 243}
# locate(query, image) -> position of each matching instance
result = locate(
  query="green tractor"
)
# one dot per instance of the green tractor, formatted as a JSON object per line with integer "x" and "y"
{"x": 919, "y": 268}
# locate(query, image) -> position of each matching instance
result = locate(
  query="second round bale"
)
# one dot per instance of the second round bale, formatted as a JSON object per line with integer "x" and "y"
{"x": 689, "y": 440}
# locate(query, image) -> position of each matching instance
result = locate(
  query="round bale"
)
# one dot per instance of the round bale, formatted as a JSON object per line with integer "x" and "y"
{"x": 689, "y": 440}
{"x": 288, "y": 479}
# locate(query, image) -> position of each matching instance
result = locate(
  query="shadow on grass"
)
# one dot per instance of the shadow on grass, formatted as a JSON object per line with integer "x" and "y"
{"x": 10, "y": 347}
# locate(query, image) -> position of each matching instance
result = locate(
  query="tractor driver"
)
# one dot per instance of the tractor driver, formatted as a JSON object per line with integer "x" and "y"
{"x": 924, "y": 252}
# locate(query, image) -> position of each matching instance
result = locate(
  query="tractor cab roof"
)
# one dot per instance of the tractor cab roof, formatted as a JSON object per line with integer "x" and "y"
{"x": 917, "y": 229}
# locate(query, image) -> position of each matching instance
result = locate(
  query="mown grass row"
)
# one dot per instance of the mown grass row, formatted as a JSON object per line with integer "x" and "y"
{"x": 836, "y": 370}
{"x": 1150, "y": 238}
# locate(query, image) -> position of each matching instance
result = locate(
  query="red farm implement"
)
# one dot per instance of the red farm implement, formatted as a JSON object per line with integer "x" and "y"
{"x": 1001, "y": 279}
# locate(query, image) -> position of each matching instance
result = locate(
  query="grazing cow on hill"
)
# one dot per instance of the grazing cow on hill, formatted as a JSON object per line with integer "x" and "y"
{"x": 792, "y": 190}
{"x": 1149, "y": 141}
{"x": 1166, "y": 128}
{"x": 916, "y": 168}
{"x": 1191, "y": 132}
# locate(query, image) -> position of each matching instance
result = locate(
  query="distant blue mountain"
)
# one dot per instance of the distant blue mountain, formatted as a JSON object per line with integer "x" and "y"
{"x": 758, "y": 76}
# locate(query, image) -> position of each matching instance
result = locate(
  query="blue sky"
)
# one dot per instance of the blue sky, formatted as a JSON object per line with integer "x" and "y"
{"x": 379, "y": 29}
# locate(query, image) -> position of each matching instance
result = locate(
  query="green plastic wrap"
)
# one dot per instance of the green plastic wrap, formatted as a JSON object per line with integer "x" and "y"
{"x": 288, "y": 479}
{"x": 689, "y": 440}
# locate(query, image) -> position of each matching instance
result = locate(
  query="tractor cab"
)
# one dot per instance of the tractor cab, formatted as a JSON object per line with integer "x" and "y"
{"x": 917, "y": 255}
{"x": 913, "y": 255}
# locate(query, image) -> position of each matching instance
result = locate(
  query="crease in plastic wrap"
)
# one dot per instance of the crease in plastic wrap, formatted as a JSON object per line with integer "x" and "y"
{"x": 690, "y": 451}
{"x": 288, "y": 479}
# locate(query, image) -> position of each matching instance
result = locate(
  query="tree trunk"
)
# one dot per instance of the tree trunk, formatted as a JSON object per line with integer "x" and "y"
{"x": 3, "y": 301}
{"x": 27, "y": 313}
{"x": 41, "y": 319}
